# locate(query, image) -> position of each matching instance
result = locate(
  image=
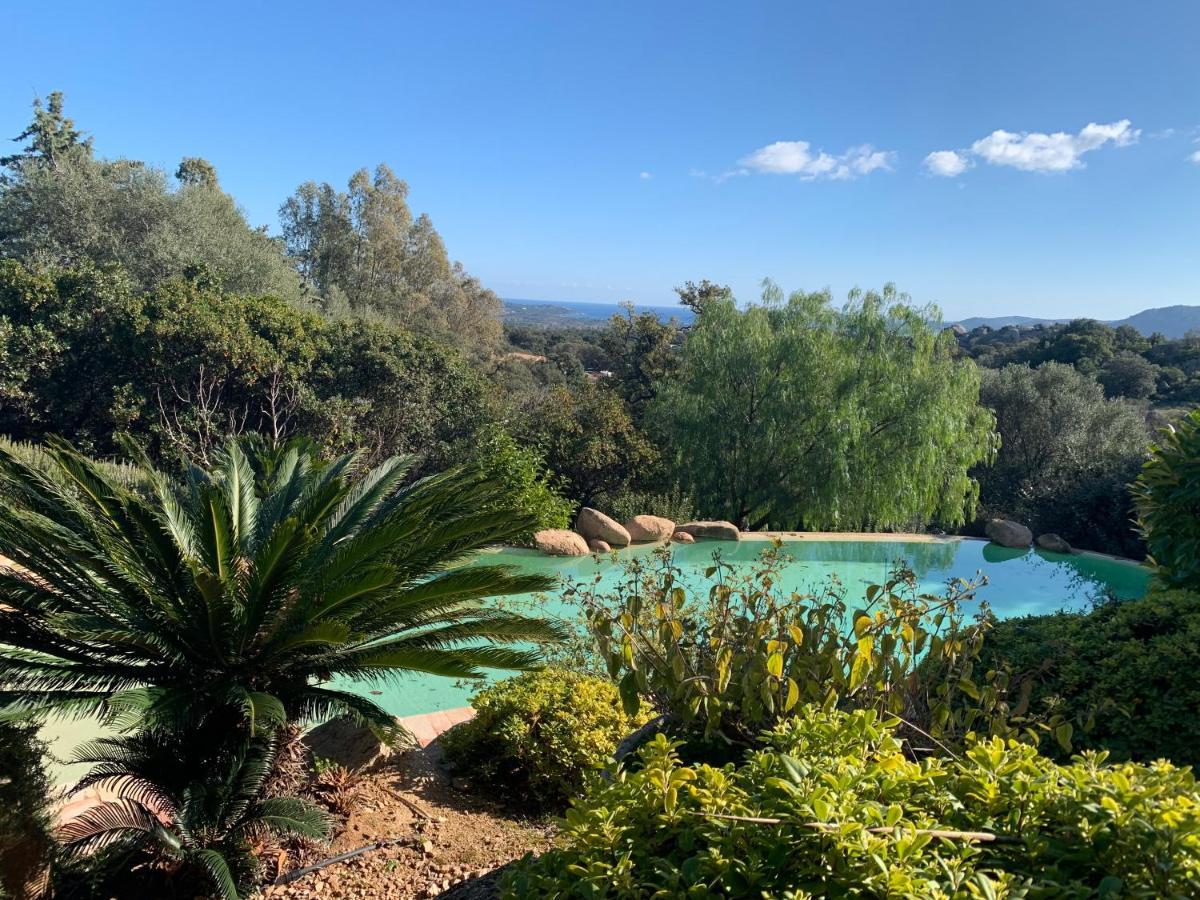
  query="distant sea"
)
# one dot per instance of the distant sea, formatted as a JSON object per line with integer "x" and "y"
{"x": 580, "y": 313}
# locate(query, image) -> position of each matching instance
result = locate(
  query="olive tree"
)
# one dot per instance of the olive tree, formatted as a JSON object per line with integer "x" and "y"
{"x": 1066, "y": 455}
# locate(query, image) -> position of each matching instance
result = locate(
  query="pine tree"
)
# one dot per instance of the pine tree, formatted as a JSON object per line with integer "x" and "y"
{"x": 52, "y": 137}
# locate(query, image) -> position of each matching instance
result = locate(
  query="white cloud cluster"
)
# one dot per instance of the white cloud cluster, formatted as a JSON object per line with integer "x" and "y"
{"x": 947, "y": 163}
{"x": 798, "y": 158}
{"x": 1033, "y": 151}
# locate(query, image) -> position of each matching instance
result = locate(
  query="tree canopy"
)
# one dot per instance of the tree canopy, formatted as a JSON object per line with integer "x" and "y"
{"x": 1066, "y": 455}
{"x": 363, "y": 248}
{"x": 62, "y": 206}
{"x": 794, "y": 413}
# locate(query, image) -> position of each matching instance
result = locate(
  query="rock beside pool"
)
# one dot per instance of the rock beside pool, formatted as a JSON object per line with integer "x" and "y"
{"x": 1008, "y": 533}
{"x": 596, "y": 526}
{"x": 1053, "y": 543}
{"x": 649, "y": 529}
{"x": 348, "y": 744}
{"x": 682, "y": 537}
{"x": 560, "y": 542}
{"x": 713, "y": 531}
{"x": 599, "y": 546}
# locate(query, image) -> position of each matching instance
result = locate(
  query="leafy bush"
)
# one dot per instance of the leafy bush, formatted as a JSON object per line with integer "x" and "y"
{"x": 26, "y": 843}
{"x": 531, "y": 487}
{"x": 1167, "y": 496}
{"x": 1134, "y": 664}
{"x": 672, "y": 504}
{"x": 731, "y": 663}
{"x": 536, "y": 735}
{"x": 834, "y": 807}
{"x": 1066, "y": 456}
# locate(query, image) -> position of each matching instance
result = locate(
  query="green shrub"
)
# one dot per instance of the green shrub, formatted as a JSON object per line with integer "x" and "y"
{"x": 834, "y": 807}
{"x": 531, "y": 487}
{"x": 1167, "y": 497}
{"x": 672, "y": 504}
{"x": 1134, "y": 663}
{"x": 537, "y": 735}
{"x": 26, "y": 844}
{"x": 730, "y": 662}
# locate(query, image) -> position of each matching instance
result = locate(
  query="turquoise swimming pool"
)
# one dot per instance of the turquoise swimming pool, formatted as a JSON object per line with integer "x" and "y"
{"x": 1020, "y": 582}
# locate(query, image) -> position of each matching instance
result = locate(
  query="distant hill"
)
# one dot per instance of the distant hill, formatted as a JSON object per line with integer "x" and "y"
{"x": 573, "y": 313}
{"x": 1002, "y": 321}
{"x": 1172, "y": 321}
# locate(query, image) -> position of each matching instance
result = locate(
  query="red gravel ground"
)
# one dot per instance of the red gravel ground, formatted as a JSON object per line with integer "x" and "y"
{"x": 452, "y": 840}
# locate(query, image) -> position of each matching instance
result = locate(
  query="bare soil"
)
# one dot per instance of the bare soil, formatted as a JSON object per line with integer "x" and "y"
{"x": 454, "y": 842}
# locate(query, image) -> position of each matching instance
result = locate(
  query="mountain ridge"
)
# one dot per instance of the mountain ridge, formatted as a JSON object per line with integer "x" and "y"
{"x": 1172, "y": 321}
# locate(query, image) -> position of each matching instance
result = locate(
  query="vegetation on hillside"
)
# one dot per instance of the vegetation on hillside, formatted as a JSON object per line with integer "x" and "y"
{"x": 322, "y": 426}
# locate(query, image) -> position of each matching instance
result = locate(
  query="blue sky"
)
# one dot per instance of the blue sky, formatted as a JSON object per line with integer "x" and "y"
{"x": 602, "y": 151}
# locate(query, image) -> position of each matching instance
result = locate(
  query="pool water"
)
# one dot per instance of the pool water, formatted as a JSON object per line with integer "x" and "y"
{"x": 1019, "y": 583}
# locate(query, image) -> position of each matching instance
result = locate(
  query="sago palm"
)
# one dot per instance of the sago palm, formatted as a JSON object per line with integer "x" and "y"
{"x": 243, "y": 590}
{"x": 178, "y": 821}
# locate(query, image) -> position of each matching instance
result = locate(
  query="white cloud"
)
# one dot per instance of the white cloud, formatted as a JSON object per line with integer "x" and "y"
{"x": 645, "y": 176}
{"x": 1194, "y": 157}
{"x": 798, "y": 158}
{"x": 947, "y": 163}
{"x": 1058, "y": 152}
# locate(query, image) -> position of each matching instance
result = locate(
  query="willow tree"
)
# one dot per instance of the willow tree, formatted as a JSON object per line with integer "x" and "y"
{"x": 795, "y": 413}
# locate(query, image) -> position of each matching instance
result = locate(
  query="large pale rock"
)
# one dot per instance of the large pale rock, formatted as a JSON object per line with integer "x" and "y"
{"x": 649, "y": 529}
{"x": 1007, "y": 533}
{"x": 1053, "y": 543}
{"x": 560, "y": 542}
{"x": 599, "y": 546}
{"x": 596, "y": 526}
{"x": 348, "y": 744}
{"x": 713, "y": 531}
{"x": 682, "y": 537}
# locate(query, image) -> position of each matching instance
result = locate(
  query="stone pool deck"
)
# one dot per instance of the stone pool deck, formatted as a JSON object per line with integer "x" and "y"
{"x": 428, "y": 726}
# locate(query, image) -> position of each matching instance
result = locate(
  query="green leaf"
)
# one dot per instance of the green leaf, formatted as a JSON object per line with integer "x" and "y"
{"x": 1063, "y": 733}
{"x": 631, "y": 700}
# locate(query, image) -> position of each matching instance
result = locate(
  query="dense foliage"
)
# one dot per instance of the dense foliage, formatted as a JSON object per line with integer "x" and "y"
{"x": 795, "y": 414}
{"x": 86, "y": 356}
{"x": 835, "y": 808}
{"x": 586, "y": 435}
{"x": 61, "y": 206}
{"x": 361, "y": 250}
{"x": 27, "y": 846}
{"x": 1066, "y": 456}
{"x": 536, "y": 736}
{"x": 528, "y": 484}
{"x": 1133, "y": 666}
{"x": 725, "y": 665}
{"x": 1125, "y": 362}
{"x": 235, "y": 595}
{"x": 1167, "y": 494}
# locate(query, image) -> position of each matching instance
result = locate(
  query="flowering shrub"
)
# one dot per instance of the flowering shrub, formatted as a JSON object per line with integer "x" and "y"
{"x": 833, "y": 807}
{"x": 537, "y": 735}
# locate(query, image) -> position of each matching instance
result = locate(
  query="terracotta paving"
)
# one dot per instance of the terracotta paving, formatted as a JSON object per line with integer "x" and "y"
{"x": 426, "y": 727}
